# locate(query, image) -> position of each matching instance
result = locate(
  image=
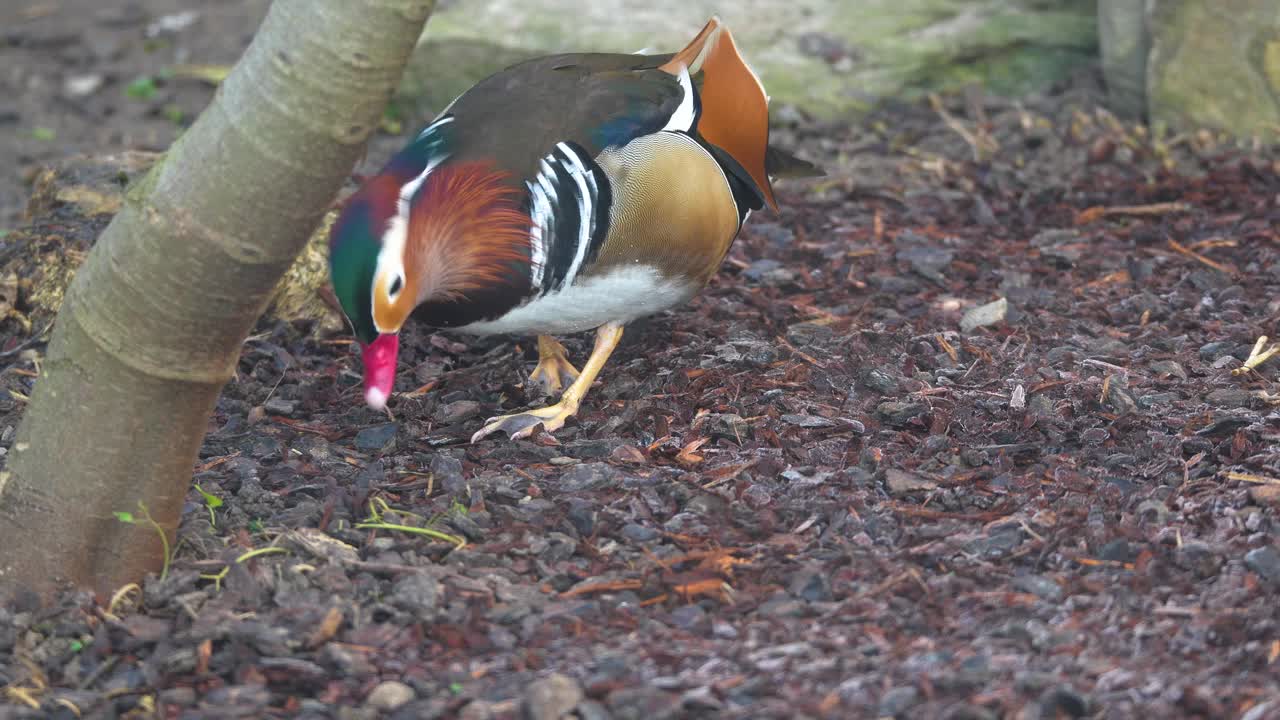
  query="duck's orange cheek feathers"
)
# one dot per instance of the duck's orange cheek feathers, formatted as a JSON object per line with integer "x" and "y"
{"x": 379, "y": 359}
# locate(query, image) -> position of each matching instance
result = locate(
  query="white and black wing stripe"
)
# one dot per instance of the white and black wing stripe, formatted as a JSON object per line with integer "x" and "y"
{"x": 569, "y": 203}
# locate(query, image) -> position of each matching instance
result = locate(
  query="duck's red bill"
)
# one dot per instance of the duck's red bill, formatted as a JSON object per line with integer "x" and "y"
{"x": 380, "y": 369}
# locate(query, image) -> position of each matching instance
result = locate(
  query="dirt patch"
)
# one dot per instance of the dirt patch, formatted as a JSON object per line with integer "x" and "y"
{"x": 809, "y": 493}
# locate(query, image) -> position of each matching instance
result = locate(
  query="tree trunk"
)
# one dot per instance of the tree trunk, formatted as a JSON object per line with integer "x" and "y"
{"x": 153, "y": 322}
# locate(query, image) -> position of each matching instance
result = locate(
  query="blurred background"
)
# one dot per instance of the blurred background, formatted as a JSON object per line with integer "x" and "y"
{"x": 95, "y": 76}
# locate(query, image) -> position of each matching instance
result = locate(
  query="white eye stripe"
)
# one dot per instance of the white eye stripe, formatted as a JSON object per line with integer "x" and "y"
{"x": 396, "y": 233}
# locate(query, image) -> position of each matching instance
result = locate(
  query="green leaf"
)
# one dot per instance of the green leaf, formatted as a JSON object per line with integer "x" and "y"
{"x": 44, "y": 134}
{"x": 76, "y": 646}
{"x": 124, "y": 517}
{"x": 173, "y": 114}
{"x": 144, "y": 88}
{"x": 391, "y": 121}
{"x": 210, "y": 499}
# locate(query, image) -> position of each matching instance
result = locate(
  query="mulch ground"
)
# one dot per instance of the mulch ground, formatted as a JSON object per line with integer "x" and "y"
{"x": 965, "y": 432}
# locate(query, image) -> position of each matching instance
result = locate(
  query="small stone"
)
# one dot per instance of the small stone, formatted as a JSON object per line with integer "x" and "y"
{"x": 446, "y": 472}
{"x": 552, "y": 697}
{"x": 1199, "y": 557}
{"x": 984, "y": 315}
{"x": 927, "y": 260}
{"x": 1265, "y": 561}
{"x": 757, "y": 495}
{"x": 172, "y": 24}
{"x": 586, "y": 476}
{"x": 758, "y": 269}
{"x": 1063, "y": 702}
{"x": 643, "y": 703}
{"x": 1038, "y": 585}
{"x": 774, "y": 232}
{"x": 1063, "y": 257}
{"x": 998, "y": 543}
{"x": 1018, "y": 398}
{"x": 809, "y": 421}
{"x": 756, "y": 353}
{"x": 389, "y": 695}
{"x": 812, "y": 584}
{"x": 638, "y": 533}
{"x": 895, "y": 284}
{"x": 474, "y": 710}
{"x": 1041, "y": 405}
{"x": 805, "y": 334}
{"x": 181, "y": 696}
{"x": 1061, "y": 354}
{"x": 1054, "y": 236}
{"x": 1155, "y": 399}
{"x": 686, "y": 523}
{"x": 582, "y": 515}
{"x": 1228, "y": 398}
{"x": 418, "y": 592}
{"x": 1222, "y": 427}
{"x": 348, "y": 662}
{"x": 1120, "y": 460}
{"x": 78, "y": 86}
{"x": 1265, "y": 495}
{"x": 880, "y": 381}
{"x": 897, "y": 701}
{"x": 969, "y": 712}
{"x": 280, "y": 406}
{"x": 592, "y": 710}
{"x": 1094, "y": 436}
{"x": 727, "y": 426}
{"x": 900, "y": 413}
{"x": 1210, "y": 352}
{"x": 1170, "y": 368}
{"x": 707, "y": 504}
{"x": 457, "y": 411}
{"x": 777, "y": 276}
{"x": 378, "y": 438}
{"x": 901, "y": 482}
{"x": 1120, "y": 398}
{"x": 689, "y": 617}
{"x": 1116, "y": 551}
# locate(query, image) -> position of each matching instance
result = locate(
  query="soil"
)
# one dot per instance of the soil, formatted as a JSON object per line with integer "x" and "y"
{"x": 964, "y": 432}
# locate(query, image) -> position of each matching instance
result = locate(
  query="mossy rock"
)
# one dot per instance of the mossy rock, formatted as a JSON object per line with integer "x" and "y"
{"x": 1216, "y": 64}
{"x": 828, "y": 57}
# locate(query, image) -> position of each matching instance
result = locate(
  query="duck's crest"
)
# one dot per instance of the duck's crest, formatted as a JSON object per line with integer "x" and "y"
{"x": 735, "y": 107}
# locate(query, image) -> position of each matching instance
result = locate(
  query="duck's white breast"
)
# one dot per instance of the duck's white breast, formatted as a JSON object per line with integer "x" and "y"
{"x": 623, "y": 294}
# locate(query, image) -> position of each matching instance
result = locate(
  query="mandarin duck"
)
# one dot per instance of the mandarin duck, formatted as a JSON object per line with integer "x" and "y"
{"x": 565, "y": 193}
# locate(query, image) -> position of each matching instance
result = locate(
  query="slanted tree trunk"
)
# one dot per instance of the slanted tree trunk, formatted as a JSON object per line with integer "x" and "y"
{"x": 153, "y": 322}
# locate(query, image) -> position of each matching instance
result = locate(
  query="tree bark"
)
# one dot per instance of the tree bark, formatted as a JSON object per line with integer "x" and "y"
{"x": 153, "y": 322}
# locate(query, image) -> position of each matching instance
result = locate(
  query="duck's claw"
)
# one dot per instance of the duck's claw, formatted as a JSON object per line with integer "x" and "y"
{"x": 521, "y": 425}
{"x": 552, "y": 417}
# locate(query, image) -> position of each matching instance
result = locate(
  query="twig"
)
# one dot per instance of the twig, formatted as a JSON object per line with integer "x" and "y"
{"x": 1097, "y": 212}
{"x": 980, "y": 142}
{"x": 611, "y": 586}
{"x": 1246, "y": 477}
{"x": 28, "y": 342}
{"x": 1179, "y": 247}
{"x": 1257, "y": 356}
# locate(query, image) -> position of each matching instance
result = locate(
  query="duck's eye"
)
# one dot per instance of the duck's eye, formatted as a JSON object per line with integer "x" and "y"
{"x": 397, "y": 283}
